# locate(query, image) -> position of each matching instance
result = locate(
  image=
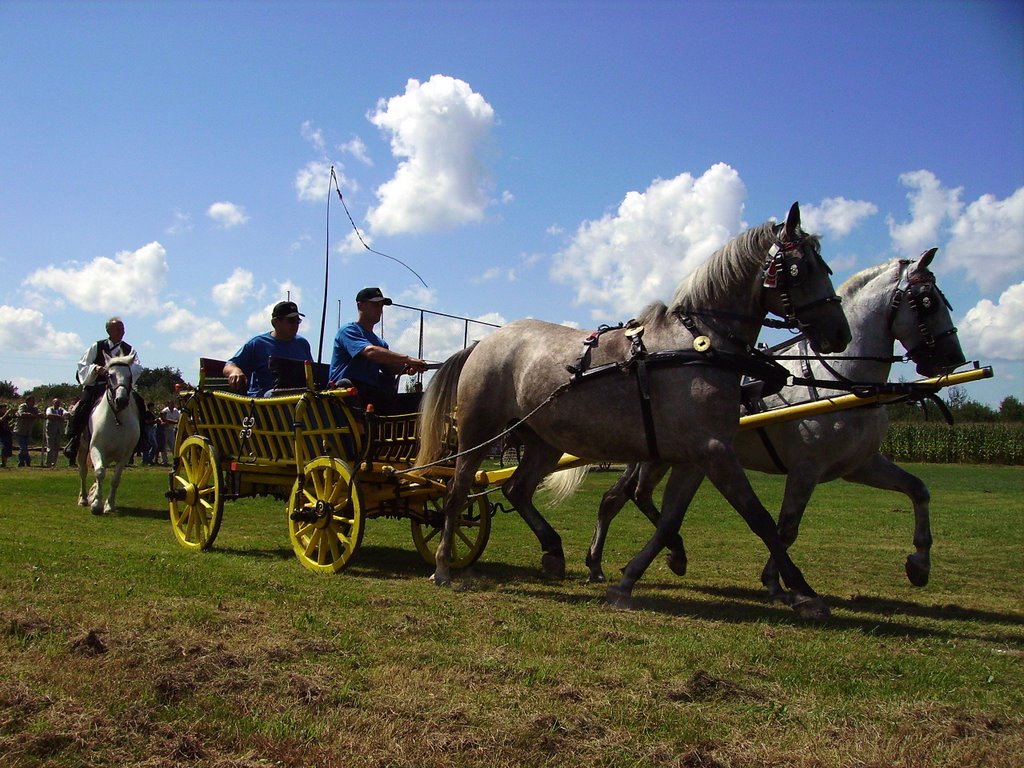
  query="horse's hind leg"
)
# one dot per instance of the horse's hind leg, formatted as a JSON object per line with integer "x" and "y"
{"x": 539, "y": 460}
{"x": 879, "y": 472}
{"x": 679, "y": 491}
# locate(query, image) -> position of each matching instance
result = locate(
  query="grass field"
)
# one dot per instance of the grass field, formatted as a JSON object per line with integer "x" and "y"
{"x": 118, "y": 647}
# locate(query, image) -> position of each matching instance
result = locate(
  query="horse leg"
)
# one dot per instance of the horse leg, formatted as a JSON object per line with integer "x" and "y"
{"x": 799, "y": 487}
{"x": 725, "y": 472}
{"x": 881, "y": 473}
{"x": 612, "y": 502}
{"x": 110, "y": 506}
{"x": 83, "y": 474}
{"x": 682, "y": 485}
{"x": 650, "y": 475}
{"x": 637, "y": 483}
{"x": 99, "y": 471}
{"x": 539, "y": 460}
{"x": 458, "y": 491}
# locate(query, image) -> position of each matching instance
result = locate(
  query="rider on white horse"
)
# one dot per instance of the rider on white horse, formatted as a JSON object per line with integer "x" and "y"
{"x": 91, "y": 370}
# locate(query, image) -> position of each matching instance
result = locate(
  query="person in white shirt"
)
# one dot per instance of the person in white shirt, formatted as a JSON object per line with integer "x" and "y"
{"x": 55, "y": 417}
{"x": 169, "y": 417}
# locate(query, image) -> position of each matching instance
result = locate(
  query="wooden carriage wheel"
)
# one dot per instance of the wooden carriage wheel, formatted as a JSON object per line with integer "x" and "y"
{"x": 471, "y": 533}
{"x": 195, "y": 498}
{"x": 325, "y": 516}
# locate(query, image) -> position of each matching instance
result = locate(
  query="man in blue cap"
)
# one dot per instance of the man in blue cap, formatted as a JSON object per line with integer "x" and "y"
{"x": 364, "y": 358}
{"x": 251, "y": 364}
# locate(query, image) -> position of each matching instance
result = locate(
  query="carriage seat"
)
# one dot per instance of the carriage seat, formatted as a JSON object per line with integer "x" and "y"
{"x": 290, "y": 374}
{"x": 211, "y": 374}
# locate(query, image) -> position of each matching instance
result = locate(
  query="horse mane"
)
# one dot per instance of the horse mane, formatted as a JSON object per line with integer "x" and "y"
{"x": 856, "y": 282}
{"x": 121, "y": 360}
{"x": 726, "y": 266}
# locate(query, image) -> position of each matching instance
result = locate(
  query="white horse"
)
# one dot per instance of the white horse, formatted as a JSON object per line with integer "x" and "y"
{"x": 112, "y": 432}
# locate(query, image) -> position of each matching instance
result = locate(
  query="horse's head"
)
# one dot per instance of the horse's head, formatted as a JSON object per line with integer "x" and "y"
{"x": 799, "y": 286}
{"x": 919, "y": 317}
{"x": 119, "y": 379}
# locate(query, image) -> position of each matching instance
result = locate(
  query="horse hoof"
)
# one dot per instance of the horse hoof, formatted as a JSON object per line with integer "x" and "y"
{"x": 810, "y": 608}
{"x": 916, "y": 572}
{"x": 97, "y": 510}
{"x": 676, "y": 563}
{"x": 553, "y": 566}
{"x": 441, "y": 580}
{"x": 778, "y": 596}
{"x": 596, "y": 578}
{"x": 618, "y": 598}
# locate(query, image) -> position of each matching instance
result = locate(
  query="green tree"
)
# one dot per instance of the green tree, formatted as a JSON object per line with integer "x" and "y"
{"x": 1011, "y": 409}
{"x": 8, "y": 390}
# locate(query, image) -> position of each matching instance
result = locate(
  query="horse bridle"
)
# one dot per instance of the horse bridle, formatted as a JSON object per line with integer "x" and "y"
{"x": 110, "y": 389}
{"x": 783, "y": 270}
{"x": 923, "y": 296}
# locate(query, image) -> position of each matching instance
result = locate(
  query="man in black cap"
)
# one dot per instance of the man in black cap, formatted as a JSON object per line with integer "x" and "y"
{"x": 363, "y": 358}
{"x": 251, "y": 363}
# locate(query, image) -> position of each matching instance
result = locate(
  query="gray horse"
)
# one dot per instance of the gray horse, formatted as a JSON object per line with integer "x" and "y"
{"x": 895, "y": 301}
{"x": 665, "y": 387}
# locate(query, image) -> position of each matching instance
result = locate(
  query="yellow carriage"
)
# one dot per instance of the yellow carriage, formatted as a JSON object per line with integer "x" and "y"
{"x": 336, "y": 465}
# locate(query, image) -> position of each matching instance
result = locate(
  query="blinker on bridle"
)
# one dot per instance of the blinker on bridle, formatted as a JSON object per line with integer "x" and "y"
{"x": 782, "y": 271}
{"x": 924, "y": 296}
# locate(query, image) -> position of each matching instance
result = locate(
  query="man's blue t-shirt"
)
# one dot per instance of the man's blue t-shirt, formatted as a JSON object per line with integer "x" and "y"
{"x": 254, "y": 359}
{"x": 347, "y": 363}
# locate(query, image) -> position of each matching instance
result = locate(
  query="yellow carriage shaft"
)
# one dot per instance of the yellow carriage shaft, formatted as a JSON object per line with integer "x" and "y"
{"x": 789, "y": 413}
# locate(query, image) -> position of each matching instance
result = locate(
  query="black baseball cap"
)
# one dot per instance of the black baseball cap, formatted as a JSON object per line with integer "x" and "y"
{"x": 286, "y": 309}
{"x": 372, "y": 294}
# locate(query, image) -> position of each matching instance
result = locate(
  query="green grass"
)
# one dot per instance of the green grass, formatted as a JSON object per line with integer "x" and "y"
{"x": 118, "y": 647}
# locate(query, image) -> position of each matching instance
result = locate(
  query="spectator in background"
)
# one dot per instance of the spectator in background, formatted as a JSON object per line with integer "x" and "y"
{"x": 23, "y": 423}
{"x": 169, "y": 418}
{"x": 56, "y": 416}
{"x": 149, "y": 435}
{"x": 6, "y": 436}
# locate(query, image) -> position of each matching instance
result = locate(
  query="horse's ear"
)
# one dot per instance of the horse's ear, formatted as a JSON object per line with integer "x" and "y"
{"x": 926, "y": 258}
{"x": 793, "y": 223}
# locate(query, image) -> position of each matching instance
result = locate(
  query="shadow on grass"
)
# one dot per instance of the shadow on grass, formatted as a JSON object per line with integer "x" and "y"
{"x": 144, "y": 512}
{"x": 882, "y": 606}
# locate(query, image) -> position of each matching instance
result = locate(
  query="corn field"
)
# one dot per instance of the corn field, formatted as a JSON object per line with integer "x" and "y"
{"x": 958, "y": 444}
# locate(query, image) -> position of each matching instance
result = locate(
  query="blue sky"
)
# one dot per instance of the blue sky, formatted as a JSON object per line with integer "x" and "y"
{"x": 572, "y": 161}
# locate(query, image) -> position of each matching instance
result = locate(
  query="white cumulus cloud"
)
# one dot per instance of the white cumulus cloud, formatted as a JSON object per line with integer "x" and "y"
{"x": 26, "y": 331}
{"x": 227, "y": 214}
{"x": 235, "y": 291}
{"x": 129, "y": 282}
{"x": 201, "y": 336}
{"x": 931, "y": 206}
{"x": 642, "y": 251}
{"x": 439, "y": 130}
{"x": 313, "y": 180}
{"x": 836, "y": 216}
{"x": 995, "y": 329}
{"x": 987, "y": 241}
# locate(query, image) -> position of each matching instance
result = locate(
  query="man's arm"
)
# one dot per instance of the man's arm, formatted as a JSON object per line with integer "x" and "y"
{"x": 393, "y": 363}
{"x": 237, "y": 379}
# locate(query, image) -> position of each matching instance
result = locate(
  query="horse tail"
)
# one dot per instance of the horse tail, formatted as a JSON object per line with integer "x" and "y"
{"x": 439, "y": 406}
{"x": 564, "y": 483}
